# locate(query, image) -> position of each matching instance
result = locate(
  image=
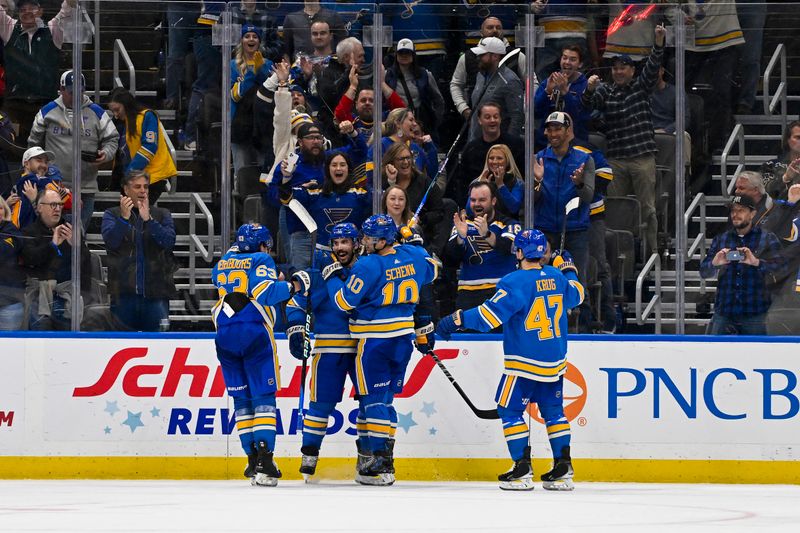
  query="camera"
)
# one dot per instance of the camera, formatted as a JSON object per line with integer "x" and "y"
{"x": 734, "y": 255}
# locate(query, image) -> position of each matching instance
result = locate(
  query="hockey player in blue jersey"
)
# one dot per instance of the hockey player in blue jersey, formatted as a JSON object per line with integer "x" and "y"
{"x": 381, "y": 294}
{"x": 248, "y": 287}
{"x": 334, "y": 350}
{"x": 532, "y": 302}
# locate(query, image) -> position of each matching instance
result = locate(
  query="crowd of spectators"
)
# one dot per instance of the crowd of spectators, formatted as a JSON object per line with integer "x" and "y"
{"x": 302, "y": 110}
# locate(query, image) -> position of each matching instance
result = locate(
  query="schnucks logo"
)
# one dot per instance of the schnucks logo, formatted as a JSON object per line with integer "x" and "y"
{"x": 574, "y": 395}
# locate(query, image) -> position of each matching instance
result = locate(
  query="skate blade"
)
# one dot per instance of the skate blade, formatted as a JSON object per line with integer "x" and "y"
{"x": 559, "y": 484}
{"x": 263, "y": 480}
{"x": 525, "y": 483}
{"x": 309, "y": 479}
{"x": 381, "y": 480}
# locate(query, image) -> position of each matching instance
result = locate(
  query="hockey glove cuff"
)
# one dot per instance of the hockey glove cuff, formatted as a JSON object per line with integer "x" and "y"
{"x": 426, "y": 338}
{"x": 302, "y": 278}
{"x": 296, "y": 336}
{"x": 450, "y": 324}
{"x": 334, "y": 269}
{"x": 563, "y": 261}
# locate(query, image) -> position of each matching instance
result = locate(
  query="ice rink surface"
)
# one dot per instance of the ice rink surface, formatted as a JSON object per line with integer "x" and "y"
{"x": 111, "y": 506}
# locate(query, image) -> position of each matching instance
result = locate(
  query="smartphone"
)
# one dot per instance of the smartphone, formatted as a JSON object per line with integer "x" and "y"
{"x": 734, "y": 255}
{"x": 291, "y": 161}
{"x": 88, "y": 156}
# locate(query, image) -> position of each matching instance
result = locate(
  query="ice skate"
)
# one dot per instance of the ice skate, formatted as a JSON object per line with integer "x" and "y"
{"x": 267, "y": 472}
{"x": 520, "y": 477}
{"x": 377, "y": 471}
{"x": 390, "y": 450}
{"x": 250, "y": 470}
{"x": 363, "y": 458}
{"x": 560, "y": 477}
{"x": 308, "y": 463}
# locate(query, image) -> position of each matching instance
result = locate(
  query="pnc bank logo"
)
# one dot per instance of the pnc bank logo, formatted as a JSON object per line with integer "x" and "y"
{"x": 574, "y": 394}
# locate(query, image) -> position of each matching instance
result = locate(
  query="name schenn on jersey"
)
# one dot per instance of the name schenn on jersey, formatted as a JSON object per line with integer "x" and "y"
{"x": 402, "y": 271}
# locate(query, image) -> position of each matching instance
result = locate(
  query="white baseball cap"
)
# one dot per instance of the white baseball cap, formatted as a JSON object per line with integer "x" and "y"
{"x": 405, "y": 45}
{"x": 35, "y": 151}
{"x": 489, "y": 45}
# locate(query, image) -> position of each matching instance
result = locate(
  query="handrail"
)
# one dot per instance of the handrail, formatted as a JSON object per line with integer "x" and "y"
{"x": 781, "y": 93}
{"x": 655, "y": 300}
{"x": 119, "y": 49}
{"x": 736, "y": 135}
{"x": 194, "y": 241}
{"x": 699, "y": 202}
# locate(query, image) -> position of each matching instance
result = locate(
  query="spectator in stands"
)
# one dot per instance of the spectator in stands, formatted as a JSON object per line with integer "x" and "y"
{"x": 181, "y": 20}
{"x": 750, "y": 184}
{"x": 425, "y": 23}
{"x": 466, "y": 73}
{"x": 711, "y": 59}
{"x": 400, "y": 126}
{"x": 335, "y": 78}
{"x": 12, "y": 278}
{"x": 565, "y": 23}
{"x": 145, "y": 150}
{"x": 47, "y": 259}
{"x": 563, "y": 172}
{"x": 417, "y": 86}
{"x": 363, "y": 99}
{"x": 784, "y": 172}
{"x": 297, "y": 27}
{"x": 784, "y": 313}
{"x": 52, "y": 129}
{"x": 628, "y": 33}
{"x": 394, "y": 202}
{"x": 7, "y": 138}
{"x": 481, "y": 245}
{"x": 337, "y": 199}
{"x": 321, "y": 40}
{"x": 473, "y": 157}
{"x": 563, "y": 92}
{"x": 248, "y": 12}
{"x": 139, "y": 239}
{"x": 662, "y": 105}
{"x": 38, "y": 175}
{"x": 249, "y": 70}
{"x": 752, "y": 15}
{"x": 496, "y": 84}
{"x": 740, "y": 258}
{"x": 308, "y": 69}
{"x": 501, "y": 169}
{"x": 625, "y": 104}
{"x": 399, "y": 168}
{"x": 31, "y": 53}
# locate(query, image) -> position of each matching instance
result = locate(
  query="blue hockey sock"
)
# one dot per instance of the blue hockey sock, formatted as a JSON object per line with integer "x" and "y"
{"x": 315, "y": 423}
{"x": 362, "y": 442}
{"x": 515, "y": 431}
{"x": 559, "y": 434}
{"x": 379, "y": 426}
{"x": 264, "y": 420}
{"x": 243, "y": 411}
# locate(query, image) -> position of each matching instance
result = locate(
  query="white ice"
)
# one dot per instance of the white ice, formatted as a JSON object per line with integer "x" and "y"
{"x": 110, "y": 506}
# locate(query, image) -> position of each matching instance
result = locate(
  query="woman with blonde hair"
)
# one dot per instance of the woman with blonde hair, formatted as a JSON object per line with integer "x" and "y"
{"x": 501, "y": 169}
{"x": 400, "y": 126}
{"x": 12, "y": 277}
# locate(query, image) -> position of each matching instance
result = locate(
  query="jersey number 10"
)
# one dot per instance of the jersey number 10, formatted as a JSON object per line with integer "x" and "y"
{"x": 407, "y": 293}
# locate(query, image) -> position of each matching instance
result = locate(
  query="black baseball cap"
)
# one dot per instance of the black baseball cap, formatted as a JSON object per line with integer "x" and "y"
{"x": 625, "y": 59}
{"x": 744, "y": 201}
{"x": 308, "y": 129}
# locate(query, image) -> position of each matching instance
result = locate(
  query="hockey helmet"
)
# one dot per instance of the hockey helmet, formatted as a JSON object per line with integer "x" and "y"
{"x": 250, "y": 237}
{"x": 345, "y": 230}
{"x": 380, "y": 227}
{"x": 532, "y": 243}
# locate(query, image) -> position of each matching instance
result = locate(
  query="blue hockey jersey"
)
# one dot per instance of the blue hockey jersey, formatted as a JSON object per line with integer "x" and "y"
{"x": 354, "y": 206}
{"x": 533, "y": 304}
{"x": 331, "y": 325}
{"x": 254, "y": 275}
{"x": 492, "y": 263}
{"x": 383, "y": 290}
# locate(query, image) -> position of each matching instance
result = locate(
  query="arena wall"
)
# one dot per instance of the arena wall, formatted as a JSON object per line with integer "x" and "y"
{"x": 667, "y": 409}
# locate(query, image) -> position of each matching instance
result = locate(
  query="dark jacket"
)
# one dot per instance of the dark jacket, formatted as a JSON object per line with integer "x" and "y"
{"x": 44, "y": 260}
{"x": 12, "y": 277}
{"x": 31, "y": 65}
{"x": 140, "y": 253}
{"x": 431, "y": 110}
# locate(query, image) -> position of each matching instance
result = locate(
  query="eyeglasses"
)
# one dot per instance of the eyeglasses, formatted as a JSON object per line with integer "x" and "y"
{"x": 55, "y": 205}
{"x": 314, "y": 138}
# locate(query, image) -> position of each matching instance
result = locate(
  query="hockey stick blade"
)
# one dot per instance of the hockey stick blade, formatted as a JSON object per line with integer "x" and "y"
{"x": 485, "y": 414}
{"x": 302, "y": 213}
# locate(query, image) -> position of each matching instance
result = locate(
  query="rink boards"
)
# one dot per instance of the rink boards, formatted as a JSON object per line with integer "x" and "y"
{"x": 666, "y": 409}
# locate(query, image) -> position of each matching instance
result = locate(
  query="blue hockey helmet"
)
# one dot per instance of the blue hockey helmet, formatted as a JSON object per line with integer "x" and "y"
{"x": 532, "y": 243}
{"x": 344, "y": 230}
{"x": 380, "y": 227}
{"x": 250, "y": 237}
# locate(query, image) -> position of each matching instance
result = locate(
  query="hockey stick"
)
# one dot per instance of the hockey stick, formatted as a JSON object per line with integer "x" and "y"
{"x": 569, "y": 208}
{"x": 485, "y": 414}
{"x": 300, "y": 211}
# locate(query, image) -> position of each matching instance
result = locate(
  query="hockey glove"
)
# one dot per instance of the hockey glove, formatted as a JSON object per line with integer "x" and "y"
{"x": 426, "y": 338}
{"x": 304, "y": 280}
{"x": 562, "y": 260}
{"x": 334, "y": 269}
{"x": 296, "y": 335}
{"x": 450, "y": 324}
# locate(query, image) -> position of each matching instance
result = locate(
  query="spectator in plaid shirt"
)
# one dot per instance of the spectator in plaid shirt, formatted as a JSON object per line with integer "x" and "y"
{"x": 625, "y": 105}
{"x": 742, "y": 297}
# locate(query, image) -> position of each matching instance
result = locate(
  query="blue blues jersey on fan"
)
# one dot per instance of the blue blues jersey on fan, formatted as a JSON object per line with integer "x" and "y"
{"x": 254, "y": 275}
{"x": 331, "y": 325}
{"x": 385, "y": 290}
{"x": 532, "y": 304}
{"x": 354, "y": 206}
{"x": 482, "y": 265}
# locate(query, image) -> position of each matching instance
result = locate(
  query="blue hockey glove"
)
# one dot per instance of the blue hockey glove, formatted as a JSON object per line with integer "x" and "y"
{"x": 334, "y": 269}
{"x": 449, "y": 325}
{"x": 296, "y": 336}
{"x": 425, "y": 337}
{"x": 303, "y": 278}
{"x": 562, "y": 260}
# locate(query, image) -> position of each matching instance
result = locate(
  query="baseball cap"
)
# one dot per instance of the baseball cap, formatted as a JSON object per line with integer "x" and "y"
{"x": 68, "y": 80}
{"x": 252, "y": 28}
{"x": 744, "y": 201}
{"x": 625, "y": 59}
{"x": 297, "y": 118}
{"x": 308, "y": 128}
{"x": 405, "y": 45}
{"x": 35, "y": 151}
{"x": 489, "y": 45}
{"x": 21, "y": 3}
{"x": 558, "y": 117}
